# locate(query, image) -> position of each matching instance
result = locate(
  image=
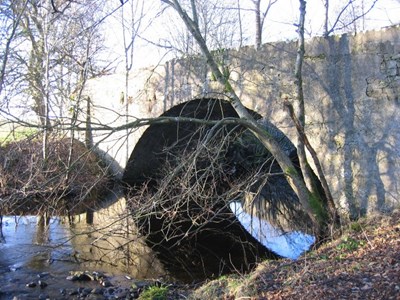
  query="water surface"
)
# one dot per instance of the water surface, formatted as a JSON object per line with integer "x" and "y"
{"x": 30, "y": 252}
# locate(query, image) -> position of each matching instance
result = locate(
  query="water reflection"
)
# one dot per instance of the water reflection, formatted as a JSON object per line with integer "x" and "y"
{"x": 108, "y": 245}
{"x": 287, "y": 244}
{"x": 42, "y": 236}
{"x": 29, "y": 246}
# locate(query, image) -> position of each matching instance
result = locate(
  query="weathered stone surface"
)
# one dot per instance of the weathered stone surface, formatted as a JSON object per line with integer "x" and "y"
{"x": 352, "y": 87}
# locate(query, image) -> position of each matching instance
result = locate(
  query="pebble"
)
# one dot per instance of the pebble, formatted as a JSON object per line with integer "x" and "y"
{"x": 86, "y": 291}
{"x": 42, "y": 284}
{"x": 98, "y": 275}
{"x": 109, "y": 292}
{"x": 43, "y": 274}
{"x": 73, "y": 293}
{"x": 63, "y": 292}
{"x": 104, "y": 291}
{"x": 121, "y": 293}
{"x": 81, "y": 276}
{"x": 105, "y": 283}
{"x": 31, "y": 284}
{"x": 94, "y": 297}
{"x": 20, "y": 297}
{"x": 366, "y": 287}
{"x": 72, "y": 278}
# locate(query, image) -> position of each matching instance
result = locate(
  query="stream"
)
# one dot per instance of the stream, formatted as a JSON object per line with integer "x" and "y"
{"x": 35, "y": 260}
{"x": 31, "y": 254}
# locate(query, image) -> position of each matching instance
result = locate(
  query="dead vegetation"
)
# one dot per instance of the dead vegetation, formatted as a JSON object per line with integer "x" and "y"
{"x": 364, "y": 263}
{"x": 70, "y": 180}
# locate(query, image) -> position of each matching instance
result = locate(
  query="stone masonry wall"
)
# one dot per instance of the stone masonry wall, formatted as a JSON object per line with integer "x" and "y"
{"x": 352, "y": 88}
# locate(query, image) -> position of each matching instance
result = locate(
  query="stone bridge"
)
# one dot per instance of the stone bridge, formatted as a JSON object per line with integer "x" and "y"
{"x": 352, "y": 94}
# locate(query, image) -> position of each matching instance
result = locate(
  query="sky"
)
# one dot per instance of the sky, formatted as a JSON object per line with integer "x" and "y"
{"x": 279, "y": 26}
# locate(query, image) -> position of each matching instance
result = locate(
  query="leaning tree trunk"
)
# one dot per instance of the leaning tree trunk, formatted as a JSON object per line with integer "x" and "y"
{"x": 294, "y": 178}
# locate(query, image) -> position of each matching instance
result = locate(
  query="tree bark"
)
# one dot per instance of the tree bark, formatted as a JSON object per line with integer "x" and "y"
{"x": 294, "y": 179}
{"x": 302, "y": 140}
{"x": 301, "y": 153}
{"x": 321, "y": 175}
{"x": 258, "y": 24}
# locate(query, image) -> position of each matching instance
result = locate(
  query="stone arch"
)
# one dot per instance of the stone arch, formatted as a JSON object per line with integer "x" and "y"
{"x": 222, "y": 246}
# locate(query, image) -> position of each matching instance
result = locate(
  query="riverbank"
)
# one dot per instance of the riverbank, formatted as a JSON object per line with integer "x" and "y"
{"x": 364, "y": 263}
{"x": 66, "y": 180}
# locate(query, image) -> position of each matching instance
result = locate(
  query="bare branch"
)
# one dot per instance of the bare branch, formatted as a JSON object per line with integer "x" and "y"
{"x": 338, "y": 19}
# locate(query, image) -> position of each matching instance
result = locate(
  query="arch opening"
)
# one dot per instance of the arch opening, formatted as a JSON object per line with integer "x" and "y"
{"x": 182, "y": 178}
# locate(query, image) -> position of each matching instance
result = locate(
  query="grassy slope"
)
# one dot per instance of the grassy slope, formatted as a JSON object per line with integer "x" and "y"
{"x": 364, "y": 263}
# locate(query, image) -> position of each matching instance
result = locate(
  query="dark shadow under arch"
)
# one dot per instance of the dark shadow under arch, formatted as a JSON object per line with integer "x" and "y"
{"x": 223, "y": 245}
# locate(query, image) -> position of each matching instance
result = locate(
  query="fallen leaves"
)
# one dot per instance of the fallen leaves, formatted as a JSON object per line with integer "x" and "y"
{"x": 363, "y": 264}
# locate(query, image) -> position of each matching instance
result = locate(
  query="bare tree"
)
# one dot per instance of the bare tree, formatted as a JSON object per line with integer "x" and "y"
{"x": 260, "y": 16}
{"x": 299, "y": 120}
{"x": 10, "y": 27}
{"x": 348, "y": 14}
{"x": 131, "y": 21}
{"x": 311, "y": 203}
{"x": 219, "y": 23}
{"x": 55, "y": 53}
{"x": 49, "y": 52}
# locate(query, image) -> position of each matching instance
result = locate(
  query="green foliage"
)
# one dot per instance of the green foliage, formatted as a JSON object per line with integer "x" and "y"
{"x": 232, "y": 281}
{"x": 355, "y": 226}
{"x": 17, "y": 135}
{"x": 317, "y": 207}
{"x": 349, "y": 244}
{"x": 215, "y": 289}
{"x": 154, "y": 293}
{"x": 323, "y": 257}
{"x": 213, "y": 77}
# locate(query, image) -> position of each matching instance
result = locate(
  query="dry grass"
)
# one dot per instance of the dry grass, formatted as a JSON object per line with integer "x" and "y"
{"x": 68, "y": 181}
{"x": 364, "y": 263}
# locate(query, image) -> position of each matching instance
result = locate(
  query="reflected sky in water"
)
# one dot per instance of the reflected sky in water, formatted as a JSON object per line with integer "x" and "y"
{"x": 60, "y": 248}
{"x": 287, "y": 244}
{"x": 37, "y": 247}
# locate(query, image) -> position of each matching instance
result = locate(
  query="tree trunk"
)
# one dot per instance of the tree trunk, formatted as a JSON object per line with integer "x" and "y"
{"x": 301, "y": 152}
{"x": 257, "y": 12}
{"x": 294, "y": 179}
{"x": 302, "y": 140}
{"x": 88, "y": 131}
